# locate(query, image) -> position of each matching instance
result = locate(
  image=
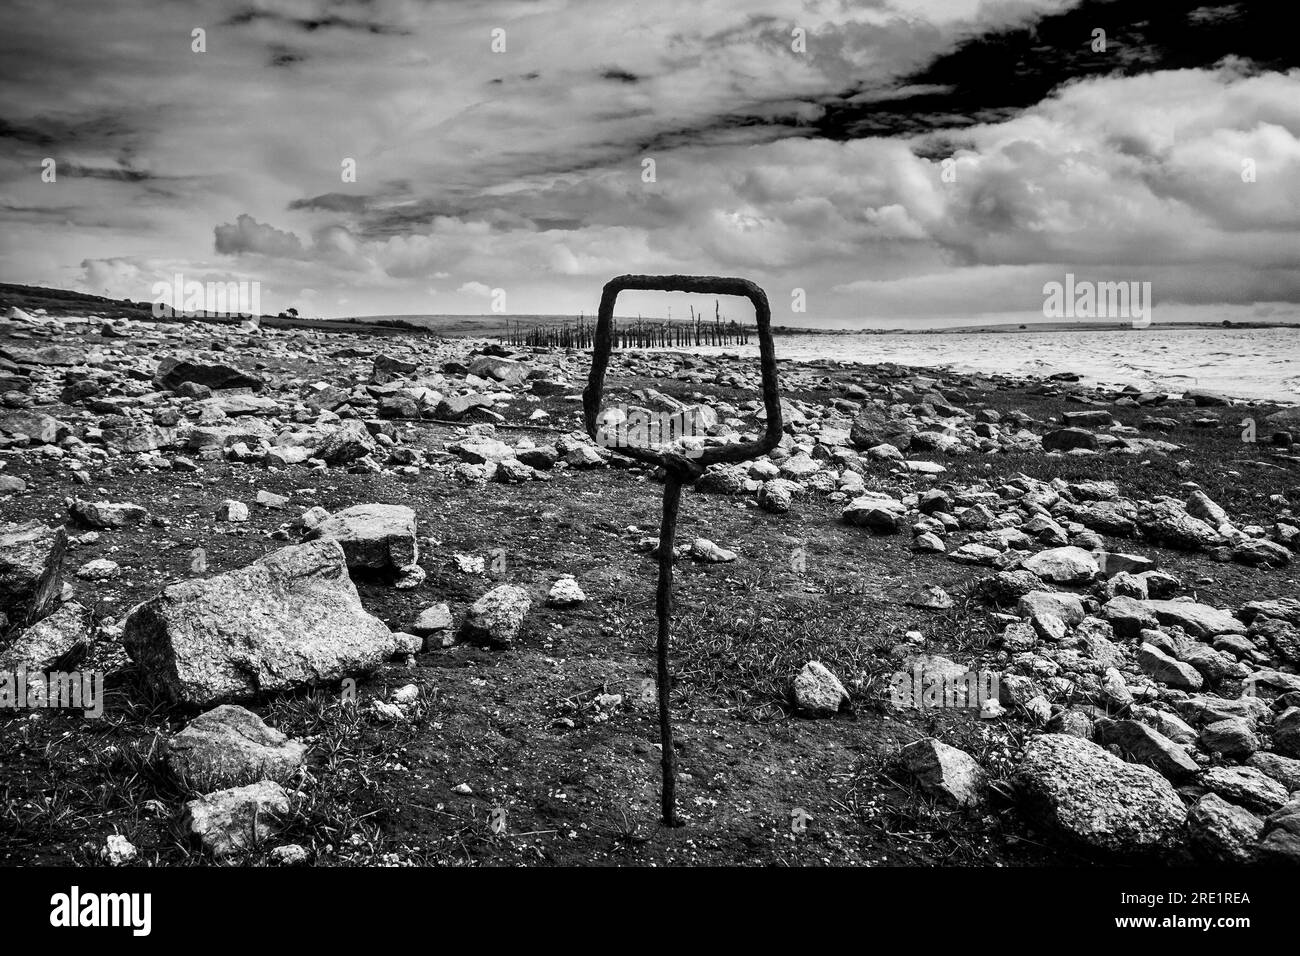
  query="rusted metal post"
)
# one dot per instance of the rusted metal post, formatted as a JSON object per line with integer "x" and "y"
{"x": 664, "y": 610}
{"x": 681, "y": 469}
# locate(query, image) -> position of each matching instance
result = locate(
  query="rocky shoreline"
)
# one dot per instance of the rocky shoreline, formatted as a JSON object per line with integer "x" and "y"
{"x": 344, "y": 531}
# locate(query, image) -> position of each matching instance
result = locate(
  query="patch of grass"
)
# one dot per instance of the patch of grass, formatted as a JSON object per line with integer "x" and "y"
{"x": 66, "y": 784}
{"x": 342, "y": 813}
{"x": 745, "y": 652}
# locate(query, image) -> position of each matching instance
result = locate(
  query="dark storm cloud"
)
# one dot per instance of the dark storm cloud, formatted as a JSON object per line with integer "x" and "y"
{"x": 313, "y": 24}
{"x": 621, "y": 76}
{"x": 103, "y": 130}
{"x": 332, "y": 202}
{"x": 118, "y": 174}
{"x": 990, "y": 77}
{"x": 522, "y": 78}
{"x": 25, "y": 134}
{"x": 283, "y": 57}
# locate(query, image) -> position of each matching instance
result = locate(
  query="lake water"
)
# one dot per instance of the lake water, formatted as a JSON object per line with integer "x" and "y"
{"x": 1244, "y": 363}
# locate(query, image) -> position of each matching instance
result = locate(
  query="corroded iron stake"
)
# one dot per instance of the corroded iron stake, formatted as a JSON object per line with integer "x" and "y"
{"x": 681, "y": 469}
{"x": 664, "y": 610}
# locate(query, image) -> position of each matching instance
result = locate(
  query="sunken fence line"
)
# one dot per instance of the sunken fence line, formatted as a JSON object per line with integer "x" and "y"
{"x": 640, "y": 334}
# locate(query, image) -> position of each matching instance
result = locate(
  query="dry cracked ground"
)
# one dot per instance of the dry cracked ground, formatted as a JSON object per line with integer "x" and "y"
{"x": 377, "y": 600}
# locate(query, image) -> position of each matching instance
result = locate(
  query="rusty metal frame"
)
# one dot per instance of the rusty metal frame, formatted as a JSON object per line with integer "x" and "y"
{"x": 705, "y": 285}
{"x": 681, "y": 469}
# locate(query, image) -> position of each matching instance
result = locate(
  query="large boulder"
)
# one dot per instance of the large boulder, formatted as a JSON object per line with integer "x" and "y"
{"x": 289, "y": 619}
{"x": 1198, "y": 620}
{"x": 1068, "y": 565}
{"x": 1146, "y": 745}
{"x": 499, "y": 369}
{"x": 1259, "y": 551}
{"x": 498, "y": 616}
{"x": 236, "y": 405}
{"x": 777, "y": 495}
{"x": 817, "y": 691}
{"x": 453, "y": 408}
{"x": 387, "y": 368}
{"x": 229, "y": 821}
{"x": 1106, "y": 517}
{"x": 1128, "y": 616}
{"x": 799, "y": 466}
{"x": 1281, "y": 842}
{"x": 58, "y": 640}
{"x": 106, "y": 514}
{"x": 435, "y": 619}
{"x": 172, "y": 373}
{"x": 1068, "y": 439}
{"x": 1200, "y": 505}
{"x": 39, "y": 428}
{"x": 1093, "y": 418}
{"x": 1008, "y": 587}
{"x": 1205, "y": 709}
{"x": 692, "y": 421}
{"x": 56, "y": 355}
{"x": 1285, "y": 770}
{"x": 1223, "y": 831}
{"x": 1286, "y": 732}
{"x": 950, "y": 775}
{"x": 565, "y": 592}
{"x": 1061, "y": 604}
{"x": 1232, "y": 737}
{"x": 1282, "y": 636}
{"x": 1167, "y": 669}
{"x": 1205, "y": 398}
{"x": 31, "y": 569}
{"x": 346, "y": 443}
{"x": 1094, "y": 798}
{"x": 724, "y": 479}
{"x": 229, "y": 746}
{"x": 875, "y": 511}
{"x": 246, "y": 430}
{"x": 137, "y": 438}
{"x": 874, "y": 427}
{"x": 480, "y": 449}
{"x": 1170, "y": 524}
{"x": 1286, "y": 608}
{"x": 379, "y": 537}
{"x": 1247, "y": 786}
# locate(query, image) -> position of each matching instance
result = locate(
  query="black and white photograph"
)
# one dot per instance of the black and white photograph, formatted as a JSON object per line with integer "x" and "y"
{"x": 725, "y": 443}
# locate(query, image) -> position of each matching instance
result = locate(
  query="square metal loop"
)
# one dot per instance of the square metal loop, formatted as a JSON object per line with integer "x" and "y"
{"x": 708, "y": 285}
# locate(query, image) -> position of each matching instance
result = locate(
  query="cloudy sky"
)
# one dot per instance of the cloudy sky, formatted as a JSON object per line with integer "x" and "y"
{"x": 903, "y": 162}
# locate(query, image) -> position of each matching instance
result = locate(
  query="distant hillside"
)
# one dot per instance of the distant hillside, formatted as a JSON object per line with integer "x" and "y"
{"x": 29, "y": 298}
{"x": 66, "y": 302}
{"x": 60, "y": 302}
